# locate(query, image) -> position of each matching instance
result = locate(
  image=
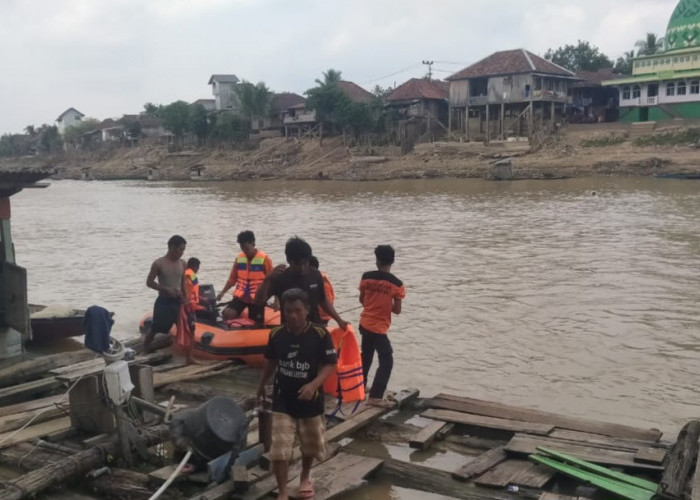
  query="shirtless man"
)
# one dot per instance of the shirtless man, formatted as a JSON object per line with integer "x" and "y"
{"x": 169, "y": 271}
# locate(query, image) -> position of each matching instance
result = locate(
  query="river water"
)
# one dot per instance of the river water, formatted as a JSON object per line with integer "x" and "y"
{"x": 577, "y": 296}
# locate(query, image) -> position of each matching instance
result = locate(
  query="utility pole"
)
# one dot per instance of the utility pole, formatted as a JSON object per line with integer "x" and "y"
{"x": 429, "y": 64}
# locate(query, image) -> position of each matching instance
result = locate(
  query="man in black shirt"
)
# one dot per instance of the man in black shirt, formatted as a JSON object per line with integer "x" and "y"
{"x": 304, "y": 356}
{"x": 300, "y": 275}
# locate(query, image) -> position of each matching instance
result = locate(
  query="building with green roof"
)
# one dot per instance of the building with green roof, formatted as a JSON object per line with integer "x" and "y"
{"x": 666, "y": 85}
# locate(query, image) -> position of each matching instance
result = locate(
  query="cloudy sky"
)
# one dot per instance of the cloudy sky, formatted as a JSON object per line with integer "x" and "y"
{"x": 109, "y": 57}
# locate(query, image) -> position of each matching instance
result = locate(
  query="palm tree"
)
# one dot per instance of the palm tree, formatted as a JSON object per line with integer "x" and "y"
{"x": 624, "y": 63}
{"x": 330, "y": 77}
{"x": 254, "y": 98}
{"x": 650, "y": 45}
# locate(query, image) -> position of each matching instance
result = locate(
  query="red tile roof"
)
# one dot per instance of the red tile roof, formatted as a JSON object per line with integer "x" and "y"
{"x": 356, "y": 93}
{"x": 508, "y": 62}
{"x": 285, "y": 100}
{"x": 418, "y": 88}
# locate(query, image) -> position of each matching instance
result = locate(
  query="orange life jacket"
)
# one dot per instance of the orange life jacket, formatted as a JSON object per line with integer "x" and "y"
{"x": 330, "y": 295}
{"x": 347, "y": 382}
{"x": 192, "y": 286}
{"x": 251, "y": 274}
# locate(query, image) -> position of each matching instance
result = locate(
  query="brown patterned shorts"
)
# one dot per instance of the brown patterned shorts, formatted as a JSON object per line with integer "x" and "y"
{"x": 309, "y": 431}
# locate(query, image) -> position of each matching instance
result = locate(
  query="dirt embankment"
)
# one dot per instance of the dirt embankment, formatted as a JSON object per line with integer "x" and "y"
{"x": 576, "y": 151}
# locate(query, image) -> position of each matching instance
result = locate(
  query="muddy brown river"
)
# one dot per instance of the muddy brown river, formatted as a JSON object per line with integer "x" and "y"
{"x": 575, "y": 296}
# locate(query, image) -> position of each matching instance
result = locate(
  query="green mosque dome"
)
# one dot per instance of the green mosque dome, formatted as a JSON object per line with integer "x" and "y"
{"x": 683, "y": 30}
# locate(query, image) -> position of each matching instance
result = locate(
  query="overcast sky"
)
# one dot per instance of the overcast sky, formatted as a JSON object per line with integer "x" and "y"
{"x": 109, "y": 57}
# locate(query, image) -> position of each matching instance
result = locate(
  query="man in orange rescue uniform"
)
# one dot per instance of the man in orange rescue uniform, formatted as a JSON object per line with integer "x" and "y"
{"x": 327, "y": 287}
{"x": 381, "y": 294}
{"x": 248, "y": 272}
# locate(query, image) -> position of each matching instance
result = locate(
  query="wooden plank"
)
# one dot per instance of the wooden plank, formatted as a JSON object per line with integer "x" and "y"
{"x": 422, "y": 439}
{"x": 501, "y": 474}
{"x": 12, "y": 422}
{"x": 489, "y": 409}
{"x": 603, "y": 441}
{"x": 533, "y": 476}
{"x": 161, "y": 475}
{"x": 34, "y": 431}
{"x": 480, "y": 464}
{"x": 342, "y": 473}
{"x": 527, "y": 444}
{"x": 489, "y": 422}
{"x": 91, "y": 363}
{"x": 419, "y": 477}
{"x": 265, "y": 484}
{"x": 71, "y": 376}
{"x": 190, "y": 372}
{"x": 554, "y": 496}
{"x": 88, "y": 410}
{"x": 650, "y": 456}
{"x": 12, "y": 393}
{"x": 31, "y": 405}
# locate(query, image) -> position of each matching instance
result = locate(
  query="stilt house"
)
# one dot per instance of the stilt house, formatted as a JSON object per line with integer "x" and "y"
{"x": 509, "y": 93}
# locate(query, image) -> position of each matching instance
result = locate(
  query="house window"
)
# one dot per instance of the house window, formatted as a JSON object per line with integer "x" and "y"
{"x": 625, "y": 93}
{"x": 695, "y": 87}
{"x": 670, "y": 89}
{"x": 636, "y": 64}
{"x": 681, "y": 88}
{"x": 636, "y": 92}
{"x": 668, "y": 60}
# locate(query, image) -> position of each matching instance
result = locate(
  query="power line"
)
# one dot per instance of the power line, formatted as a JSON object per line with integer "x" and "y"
{"x": 392, "y": 74}
{"x": 452, "y": 62}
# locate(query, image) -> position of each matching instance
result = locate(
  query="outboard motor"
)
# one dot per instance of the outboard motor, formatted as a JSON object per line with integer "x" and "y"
{"x": 215, "y": 428}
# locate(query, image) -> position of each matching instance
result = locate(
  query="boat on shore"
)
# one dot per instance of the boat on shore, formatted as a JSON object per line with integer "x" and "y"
{"x": 54, "y": 322}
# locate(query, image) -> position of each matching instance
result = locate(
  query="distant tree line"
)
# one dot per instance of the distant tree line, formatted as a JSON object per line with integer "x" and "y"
{"x": 586, "y": 57}
{"x": 42, "y": 140}
{"x": 335, "y": 113}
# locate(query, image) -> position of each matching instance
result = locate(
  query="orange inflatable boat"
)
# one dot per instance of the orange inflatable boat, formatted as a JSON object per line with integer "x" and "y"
{"x": 240, "y": 339}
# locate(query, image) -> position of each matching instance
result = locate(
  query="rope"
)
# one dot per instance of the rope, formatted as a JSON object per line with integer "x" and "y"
{"x": 40, "y": 413}
{"x": 172, "y": 477}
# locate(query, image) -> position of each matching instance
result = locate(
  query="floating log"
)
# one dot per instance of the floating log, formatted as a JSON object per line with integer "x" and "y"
{"x": 38, "y": 480}
{"x": 499, "y": 410}
{"x": 679, "y": 461}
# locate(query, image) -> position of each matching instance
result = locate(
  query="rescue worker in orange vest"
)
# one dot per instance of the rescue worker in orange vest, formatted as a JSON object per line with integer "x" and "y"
{"x": 192, "y": 284}
{"x": 248, "y": 272}
{"x": 327, "y": 287}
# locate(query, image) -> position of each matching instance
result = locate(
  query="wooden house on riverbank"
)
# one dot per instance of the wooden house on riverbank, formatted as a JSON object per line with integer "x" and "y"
{"x": 509, "y": 93}
{"x": 421, "y": 107}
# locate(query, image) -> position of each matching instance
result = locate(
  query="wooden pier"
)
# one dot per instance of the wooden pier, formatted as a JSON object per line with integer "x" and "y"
{"x": 57, "y": 443}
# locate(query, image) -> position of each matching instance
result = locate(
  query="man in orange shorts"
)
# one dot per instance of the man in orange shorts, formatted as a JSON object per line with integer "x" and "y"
{"x": 304, "y": 356}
